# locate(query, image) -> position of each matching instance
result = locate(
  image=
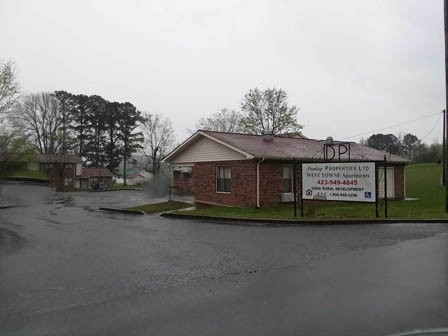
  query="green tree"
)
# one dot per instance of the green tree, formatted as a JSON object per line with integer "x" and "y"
{"x": 66, "y": 107}
{"x": 131, "y": 139}
{"x": 268, "y": 112}
{"x": 429, "y": 154}
{"x": 15, "y": 150}
{"x": 410, "y": 144}
{"x": 80, "y": 124}
{"x": 113, "y": 149}
{"x": 9, "y": 95}
{"x": 96, "y": 132}
{"x": 9, "y": 87}
{"x": 385, "y": 142}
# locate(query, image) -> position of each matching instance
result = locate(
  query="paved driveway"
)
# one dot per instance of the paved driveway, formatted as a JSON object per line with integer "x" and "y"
{"x": 68, "y": 269}
{"x": 113, "y": 199}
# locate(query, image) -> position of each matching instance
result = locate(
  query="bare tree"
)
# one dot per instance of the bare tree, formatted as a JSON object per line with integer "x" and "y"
{"x": 39, "y": 117}
{"x": 159, "y": 138}
{"x": 267, "y": 112}
{"x": 224, "y": 121}
{"x": 9, "y": 88}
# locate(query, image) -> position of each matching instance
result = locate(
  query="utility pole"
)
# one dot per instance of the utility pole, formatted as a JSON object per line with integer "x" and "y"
{"x": 444, "y": 149}
{"x": 445, "y": 16}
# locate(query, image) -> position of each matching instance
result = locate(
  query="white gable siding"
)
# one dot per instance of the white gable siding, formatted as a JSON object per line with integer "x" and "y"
{"x": 204, "y": 150}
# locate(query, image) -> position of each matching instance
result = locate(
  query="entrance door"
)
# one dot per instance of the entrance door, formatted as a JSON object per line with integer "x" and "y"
{"x": 390, "y": 182}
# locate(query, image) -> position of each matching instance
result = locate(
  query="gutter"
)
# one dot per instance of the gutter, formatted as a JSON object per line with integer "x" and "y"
{"x": 258, "y": 182}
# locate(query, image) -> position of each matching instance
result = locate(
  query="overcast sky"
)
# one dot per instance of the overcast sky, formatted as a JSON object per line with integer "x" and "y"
{"x": 351, "y": 66}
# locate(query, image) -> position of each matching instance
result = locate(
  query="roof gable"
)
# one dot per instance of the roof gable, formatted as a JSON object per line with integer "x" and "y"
{"x": 204, "y": 148}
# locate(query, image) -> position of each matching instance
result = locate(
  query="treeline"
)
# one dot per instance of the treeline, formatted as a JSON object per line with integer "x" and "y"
{"x": 408, "y": 146}
{"x": 101, "y": 132}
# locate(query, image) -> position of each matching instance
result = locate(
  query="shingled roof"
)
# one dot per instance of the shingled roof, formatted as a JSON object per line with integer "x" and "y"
{"x": 282, "y": 148}
{"x": 96, "y": 172}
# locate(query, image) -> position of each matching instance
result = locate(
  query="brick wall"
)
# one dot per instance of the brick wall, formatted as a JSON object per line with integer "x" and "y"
{"x": 244, "y": 183}
{"x": 243, "y": 189}
{"x": 54, "y": 177}
{"x": 271, "y": 177}
{"x": 182, "y": 182}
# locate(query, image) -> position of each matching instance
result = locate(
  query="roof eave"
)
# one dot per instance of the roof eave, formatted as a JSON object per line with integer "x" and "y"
{"x": 194, "y": 137}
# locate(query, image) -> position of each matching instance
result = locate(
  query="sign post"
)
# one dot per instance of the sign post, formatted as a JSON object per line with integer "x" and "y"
{"x": 294, "y": 185}
{"x": 376, "y": 192}
{"x": 301, "y": 192}
{"x": 385, "y": 187}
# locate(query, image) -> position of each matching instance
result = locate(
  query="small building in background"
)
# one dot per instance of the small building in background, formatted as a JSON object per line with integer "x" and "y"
{"x": 136, "y": 171}
{"x": 66, "y": 171}
{"x": 61, "y": 169}
{"x": 93, "y": 176}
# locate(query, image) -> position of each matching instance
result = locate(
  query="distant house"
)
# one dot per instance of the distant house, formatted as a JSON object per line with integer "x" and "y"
{"x": 91, "y": 176}
{"x": 256, "y": 171}
{"x": 67, "y": 171}
{"x": 46, "y": 163}
{"x": 61, "y": 169}
{"x": 136, "y": 171}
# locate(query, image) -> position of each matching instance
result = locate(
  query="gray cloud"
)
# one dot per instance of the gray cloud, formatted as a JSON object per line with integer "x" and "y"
{"x": 351, "y": 66}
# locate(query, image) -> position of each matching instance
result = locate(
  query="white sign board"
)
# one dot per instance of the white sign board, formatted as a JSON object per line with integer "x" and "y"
{"x": 337, "y": 181}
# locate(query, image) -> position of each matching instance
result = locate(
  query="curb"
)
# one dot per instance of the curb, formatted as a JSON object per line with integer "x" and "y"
{"x": 27, "y": 180}
{"x": 7, "y": 206}
{"x": 108, "y": 190}
{"x": 130, "y": 212}
{"x": 266, "y": 221}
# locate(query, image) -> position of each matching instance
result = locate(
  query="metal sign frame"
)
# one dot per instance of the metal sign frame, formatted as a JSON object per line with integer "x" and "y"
{"x": 378, "y": 164}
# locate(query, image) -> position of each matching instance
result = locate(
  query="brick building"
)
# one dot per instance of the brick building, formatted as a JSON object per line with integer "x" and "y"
{"x": 92, "y": 176}
{"x": 60, "y": 169}
{"x": 250, "y": 171}
{"x": 66, "y": 171}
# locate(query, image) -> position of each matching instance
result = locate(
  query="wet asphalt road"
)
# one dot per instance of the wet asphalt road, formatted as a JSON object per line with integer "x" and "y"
{"x": 67, "y": 268}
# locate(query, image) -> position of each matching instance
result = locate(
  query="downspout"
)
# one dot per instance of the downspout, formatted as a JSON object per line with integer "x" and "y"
{"x": 258, "y": 182}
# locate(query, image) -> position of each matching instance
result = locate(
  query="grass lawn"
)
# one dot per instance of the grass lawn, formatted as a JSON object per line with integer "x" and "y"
{"x": 121, "y": 186}
{"x": 26, "y": 174}
{"x": 161, "y": 207}
{"x": 422, "y": 183}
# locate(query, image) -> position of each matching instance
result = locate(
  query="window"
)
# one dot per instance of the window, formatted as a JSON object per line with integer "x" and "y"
{"x": 223, "y": 179}
{"x": 68, "y": 182}
{"x": 177, "y": 175}
{"x": 186, "y": 176}
{"x": 287, "y": 179}
{"x": 93, "y": 181}
{"x": 181, "y": 176}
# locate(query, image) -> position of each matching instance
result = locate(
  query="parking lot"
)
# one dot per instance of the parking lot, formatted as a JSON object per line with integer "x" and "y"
{"x": 68, "y": 268}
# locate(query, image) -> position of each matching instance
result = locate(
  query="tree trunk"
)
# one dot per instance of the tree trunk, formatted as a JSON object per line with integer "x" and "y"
{"x": 125, "y": 182}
